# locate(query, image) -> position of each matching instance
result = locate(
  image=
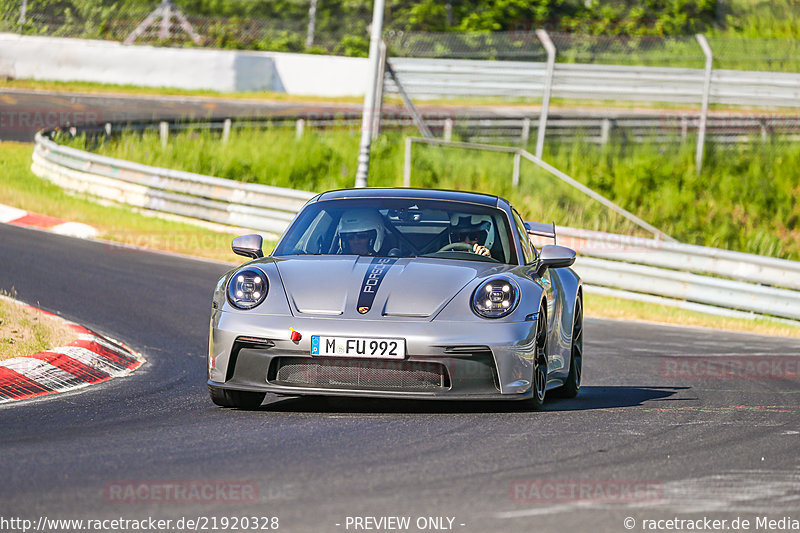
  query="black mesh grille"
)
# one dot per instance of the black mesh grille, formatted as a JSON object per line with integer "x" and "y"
{"x": 361, "y": 374}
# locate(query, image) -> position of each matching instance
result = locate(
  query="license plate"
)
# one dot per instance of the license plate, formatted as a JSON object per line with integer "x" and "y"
{"x": 358, "y": 347}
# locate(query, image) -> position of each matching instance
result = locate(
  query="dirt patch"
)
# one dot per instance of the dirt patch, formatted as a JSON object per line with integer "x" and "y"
{"x": 26, "y": 331}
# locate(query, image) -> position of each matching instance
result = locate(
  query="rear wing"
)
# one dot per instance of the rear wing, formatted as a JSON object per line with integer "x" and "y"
{"x": 541, "y": 229}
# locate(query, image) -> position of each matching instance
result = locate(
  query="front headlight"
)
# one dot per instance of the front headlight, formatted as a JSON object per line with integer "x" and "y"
{"x": 495, "y": 298}
{"x": 247, "y": 288}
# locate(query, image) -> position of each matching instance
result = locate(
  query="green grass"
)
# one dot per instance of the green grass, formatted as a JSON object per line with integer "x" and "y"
{"x": 100, "y": 88}
{"x": 745, "y": 199}
{"x": 761, "y": 19}
{"x": 26, "y": 331}
{"x": 599, "y": 306}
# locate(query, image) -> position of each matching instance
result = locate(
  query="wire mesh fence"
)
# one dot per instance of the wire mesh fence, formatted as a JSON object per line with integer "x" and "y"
{"x": 517, "y": 45}
{"x": 775, "y": 55}
{"x": 341, "y": 28}
{"x": 244, "y": 25}
{"x": 622, "y": 50}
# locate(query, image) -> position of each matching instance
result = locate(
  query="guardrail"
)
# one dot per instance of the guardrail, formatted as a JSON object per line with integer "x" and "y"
{"x": 444, "y": 78}
{"x": 666, "y": 127}
{"x": 629, "y": 267}
{"x": 195, "y": 196}
{"x": 680, "y": 274}
{"x": 598, "y": 126}
{"x": 425, "y": 78}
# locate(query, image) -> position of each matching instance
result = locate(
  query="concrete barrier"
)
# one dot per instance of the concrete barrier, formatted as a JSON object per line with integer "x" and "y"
{"x": 60, "y": 59}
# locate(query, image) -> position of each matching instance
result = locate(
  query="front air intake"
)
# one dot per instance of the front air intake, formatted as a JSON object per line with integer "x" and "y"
{"x": 360, "y": 374}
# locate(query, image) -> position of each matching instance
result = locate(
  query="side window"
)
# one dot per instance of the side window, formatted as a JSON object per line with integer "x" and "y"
{"x": 527, "y": 251}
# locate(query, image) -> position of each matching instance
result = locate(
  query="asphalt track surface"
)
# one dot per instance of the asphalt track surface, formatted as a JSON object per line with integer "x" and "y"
{"x": 24, "y": 112}
{"x": 700, "y": 446}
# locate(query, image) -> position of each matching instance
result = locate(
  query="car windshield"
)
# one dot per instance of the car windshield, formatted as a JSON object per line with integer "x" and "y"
{"x": 400, "y": 227}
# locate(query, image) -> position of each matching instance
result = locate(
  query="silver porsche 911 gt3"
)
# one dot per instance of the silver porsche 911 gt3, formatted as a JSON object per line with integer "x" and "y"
{"x": 399, "y": 293}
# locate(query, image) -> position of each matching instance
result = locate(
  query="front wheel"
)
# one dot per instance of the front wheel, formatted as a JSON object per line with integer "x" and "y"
{"x": 236, "y": 398}
{"x": 540, "y": 361}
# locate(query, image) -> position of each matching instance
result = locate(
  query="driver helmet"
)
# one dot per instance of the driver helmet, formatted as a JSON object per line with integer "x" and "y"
{"x": 477, "y": 227}
{"x": 365, "y": 220}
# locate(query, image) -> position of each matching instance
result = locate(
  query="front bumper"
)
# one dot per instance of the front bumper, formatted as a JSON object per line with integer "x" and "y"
{"x": 479, "y": 359}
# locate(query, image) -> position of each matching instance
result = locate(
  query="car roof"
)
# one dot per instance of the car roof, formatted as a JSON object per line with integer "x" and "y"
{"x": 422, "y": 194}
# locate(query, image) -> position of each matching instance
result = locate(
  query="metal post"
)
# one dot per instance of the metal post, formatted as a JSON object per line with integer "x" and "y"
{"x": 448, "y": 129}
{"x": 140, "y": 29}
{"x": 701, "y": 132}
{"x": 369, "y": 97}
{"x": 515, "y": 176}
{"x": 548, "y": 85}
{"x": 526, "y": 132}
{"x": 163, "y": 131}
{"x": 312, "y": 22}
{"x": 187, "y": 27}
{"x": 165, "y": 11}
{"x": 226, "y": 131}
{"x": 407, "y": 163}
{"x": 166, "y": 20}
{"x": 423, "y": 129}
{"x": 605, "y": 130}
{"x": 299, "y": 126}
{"x": 23, "y": 12}
{"x": 380, "y": 81}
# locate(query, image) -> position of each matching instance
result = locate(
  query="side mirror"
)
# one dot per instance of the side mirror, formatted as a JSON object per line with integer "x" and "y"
{"x": 553, "y": 256}
{"x": 248, "y": 246}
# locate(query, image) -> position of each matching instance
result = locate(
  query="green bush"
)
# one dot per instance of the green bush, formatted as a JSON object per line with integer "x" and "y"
{"x": 341, "y": 25}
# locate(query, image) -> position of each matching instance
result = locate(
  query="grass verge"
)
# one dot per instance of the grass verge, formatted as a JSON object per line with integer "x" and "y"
{"x": 88, "y": 87}
{"x": 26, "y": 331}
{"x": 601, "y": 306}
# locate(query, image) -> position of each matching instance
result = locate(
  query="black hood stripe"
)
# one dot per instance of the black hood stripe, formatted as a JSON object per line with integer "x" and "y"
{"x": 376, "y": 271}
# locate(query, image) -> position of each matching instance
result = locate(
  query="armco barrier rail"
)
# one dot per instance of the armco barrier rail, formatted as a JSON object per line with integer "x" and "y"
{"x": 639, "y": 268}
{"x": 518, "y": 126}
{"x": 636, "y": 268}
{"x": 425, "y": 78}
{"x": 217, "y": 200}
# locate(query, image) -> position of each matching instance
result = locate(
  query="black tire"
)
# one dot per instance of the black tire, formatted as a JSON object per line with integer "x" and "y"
{"x": 572, "y": 386}
{"x": 539, "y": 382}
{"x": 236, "y": 398}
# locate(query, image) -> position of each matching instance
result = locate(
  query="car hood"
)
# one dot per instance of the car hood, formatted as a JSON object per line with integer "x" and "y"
{"x": 375, "y": 288}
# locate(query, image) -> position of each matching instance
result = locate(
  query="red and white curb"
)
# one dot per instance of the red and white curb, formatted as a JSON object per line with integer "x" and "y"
{"x": 20, "y": 217}
{"x": 88, "y": 360}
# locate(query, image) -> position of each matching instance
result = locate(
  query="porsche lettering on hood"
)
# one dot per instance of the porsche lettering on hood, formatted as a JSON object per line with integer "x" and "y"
{"x": 345, "y": 285}
{"x": 372, "y": 282}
